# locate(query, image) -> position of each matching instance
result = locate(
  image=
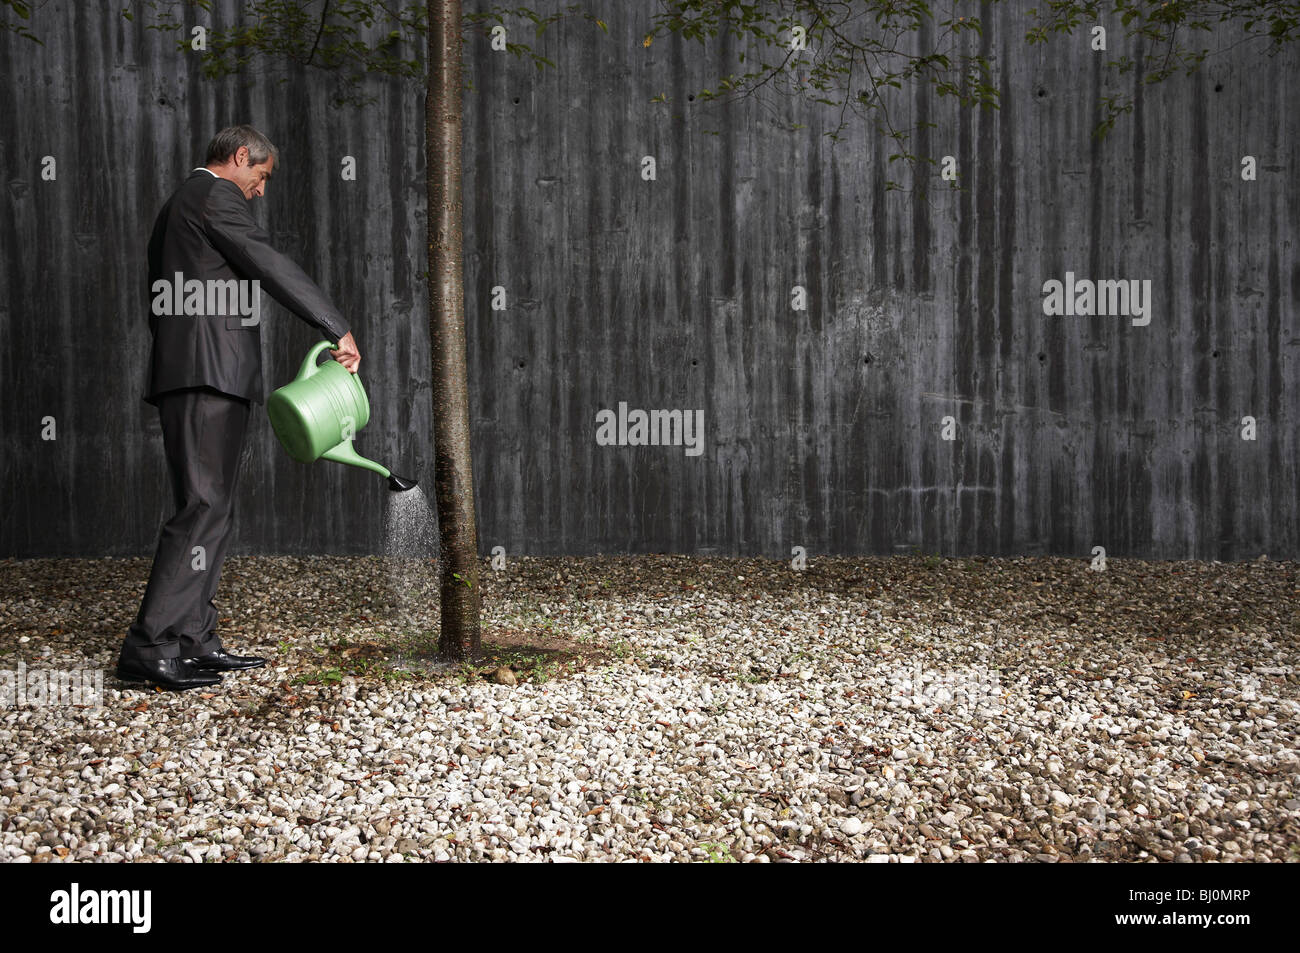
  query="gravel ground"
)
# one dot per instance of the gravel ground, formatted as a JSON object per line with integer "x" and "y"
{"x": 882, "y": 709}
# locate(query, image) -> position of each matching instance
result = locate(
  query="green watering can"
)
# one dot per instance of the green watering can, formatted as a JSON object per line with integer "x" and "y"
{"x": 316, "y": 415}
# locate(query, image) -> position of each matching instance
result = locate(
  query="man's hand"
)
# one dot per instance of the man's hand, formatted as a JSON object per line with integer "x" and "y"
{"x": 347, "y": 354}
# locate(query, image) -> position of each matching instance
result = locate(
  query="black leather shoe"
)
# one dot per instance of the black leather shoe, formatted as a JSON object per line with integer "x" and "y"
{"x": 223, "y": 661}
{"x": 176, "y": 674}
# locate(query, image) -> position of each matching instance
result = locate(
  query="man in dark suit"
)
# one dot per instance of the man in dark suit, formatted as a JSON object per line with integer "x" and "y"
{"x": 208, "y": 260}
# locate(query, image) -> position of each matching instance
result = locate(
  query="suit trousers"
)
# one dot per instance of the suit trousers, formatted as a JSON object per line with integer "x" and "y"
{"x": 203, "y": 434}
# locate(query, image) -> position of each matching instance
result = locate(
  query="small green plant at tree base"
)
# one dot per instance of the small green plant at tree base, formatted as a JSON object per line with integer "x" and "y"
{"x": 326, "y": 676}
{"x": 718, "y": 852}
{"x": 542, "y": 670}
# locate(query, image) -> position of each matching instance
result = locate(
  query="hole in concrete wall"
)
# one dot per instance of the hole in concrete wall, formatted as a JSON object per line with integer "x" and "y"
{"x": 1215, "y": 354}
{"x": 516, "y": 100}
{"x": 1218, "y": 87}
{"x": 867, "y": 360}
{"x": 1041, "y": 92}
{"x": 1041, "y": 357}
{"x": 521, "y": 363}
{"x": 690, "y": 99}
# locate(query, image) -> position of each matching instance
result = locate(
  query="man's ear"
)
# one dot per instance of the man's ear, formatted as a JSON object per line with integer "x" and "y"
{"x": 241, "y": 156}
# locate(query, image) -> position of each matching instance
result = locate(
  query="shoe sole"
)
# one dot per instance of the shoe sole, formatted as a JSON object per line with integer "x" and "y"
{"x": 145, "y": 680}
{"x": 240, "y": 668}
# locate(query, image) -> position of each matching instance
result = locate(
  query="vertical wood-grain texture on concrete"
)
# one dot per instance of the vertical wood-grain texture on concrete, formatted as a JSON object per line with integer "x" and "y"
{"x": 823, "y": 428}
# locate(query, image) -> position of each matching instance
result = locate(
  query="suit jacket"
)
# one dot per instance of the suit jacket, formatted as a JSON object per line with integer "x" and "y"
{"x": 206, "y": 232}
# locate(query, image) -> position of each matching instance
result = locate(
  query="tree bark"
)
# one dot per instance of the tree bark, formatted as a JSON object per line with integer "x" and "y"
{"x": 458, "y": 568}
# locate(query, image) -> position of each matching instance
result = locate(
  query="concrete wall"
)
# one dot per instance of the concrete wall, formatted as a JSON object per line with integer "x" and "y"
{"x": 823, "y": 427}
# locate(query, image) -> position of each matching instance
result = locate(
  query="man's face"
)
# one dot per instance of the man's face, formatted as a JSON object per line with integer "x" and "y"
{"x": 251, "y": 179}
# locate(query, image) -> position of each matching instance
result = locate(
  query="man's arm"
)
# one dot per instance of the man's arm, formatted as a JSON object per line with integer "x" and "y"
{"x": 233, "y": 232}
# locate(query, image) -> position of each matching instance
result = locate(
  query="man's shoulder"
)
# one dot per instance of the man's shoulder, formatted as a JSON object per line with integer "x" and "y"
{"x": 197, "y": 201}
{"x": 202, "y": 184}
{"x": 224, "y": 196}
{"x": 202, "y": 195}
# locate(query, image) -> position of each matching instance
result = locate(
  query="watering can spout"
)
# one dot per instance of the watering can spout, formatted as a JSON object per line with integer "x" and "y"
{"x": 399, "y": 484}
{"x": 344, "y": 453}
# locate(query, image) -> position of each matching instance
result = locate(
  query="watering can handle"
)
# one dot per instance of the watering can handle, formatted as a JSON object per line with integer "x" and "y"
{"x": 309, "y": 366}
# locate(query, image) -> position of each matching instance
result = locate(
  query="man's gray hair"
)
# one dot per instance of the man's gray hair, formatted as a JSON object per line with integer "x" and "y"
{"x": 231, "y": 139}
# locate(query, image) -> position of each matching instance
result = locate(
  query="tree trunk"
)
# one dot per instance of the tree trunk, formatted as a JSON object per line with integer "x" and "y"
{"x": 458, "y": 580}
